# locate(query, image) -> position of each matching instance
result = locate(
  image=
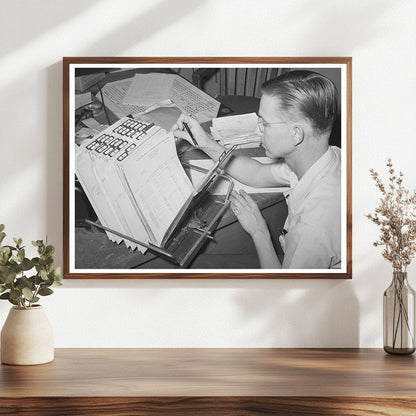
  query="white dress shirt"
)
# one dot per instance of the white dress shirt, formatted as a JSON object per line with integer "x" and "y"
{"x": 312, "y": 231}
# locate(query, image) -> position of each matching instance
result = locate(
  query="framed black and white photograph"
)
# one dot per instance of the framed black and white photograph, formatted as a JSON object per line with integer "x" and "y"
{"x": 207, "y": 167}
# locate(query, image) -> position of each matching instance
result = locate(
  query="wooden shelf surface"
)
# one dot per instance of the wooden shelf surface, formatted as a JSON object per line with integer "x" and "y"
{"x": 222, "y": 381}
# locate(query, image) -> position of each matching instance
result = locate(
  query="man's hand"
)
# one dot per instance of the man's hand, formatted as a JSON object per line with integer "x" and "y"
{"x": 248, "y": 213}
{"x": 180, "y": 131}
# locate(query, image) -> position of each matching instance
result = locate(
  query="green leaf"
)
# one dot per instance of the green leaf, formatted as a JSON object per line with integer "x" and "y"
{"x": 14, "y": 268}
{"x": 24, "y": 282}
{"x": 37, "y": 280}
{"x": 45, "y": 291}
{"x": 4, "y": 254}
{"x": 43, "y": 274}
{"x": 3, "y": 269}
{"x": 26, "y": 264}
{"x": 21, "y": 254}
{"x": 2, "y": 236}
{"x": 17, "y": 241}
{"x": 3, "y": 259}
{"x": 49, "y": 282}
{"x": 2, "y": 288}
{"x": 15, "y": 294}
{"x": 47, "y": 260}
{"x": 58, "y": 280}
{"x": 57, "y": 272}
{"x": 32, "y": 279}
{"x": 27, "y": 293}
{"x": 1, "y": 227}
{"x": 7, "y": 297}
{"x": 8, "y": 277}
{"x": 37, "y": 243}
{"x": 49, "y": 250}
{"x": 14, "y": 302}
{"x": 5, "y": 250}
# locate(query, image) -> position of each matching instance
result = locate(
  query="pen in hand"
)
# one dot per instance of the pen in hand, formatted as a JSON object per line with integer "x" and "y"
{"x": 190, "y": 133}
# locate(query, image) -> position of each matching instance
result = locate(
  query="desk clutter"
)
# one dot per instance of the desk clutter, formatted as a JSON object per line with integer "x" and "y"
{"x": 241, "y": 130}
{"x": 141, "y": 194}
{"x": 131, "y": 173}
{"x": 141, "y": 92}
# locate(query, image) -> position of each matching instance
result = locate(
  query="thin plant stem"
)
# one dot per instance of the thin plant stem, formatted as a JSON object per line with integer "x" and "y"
{"x": 402, "y": 313}
{"x": 394, "y": 316}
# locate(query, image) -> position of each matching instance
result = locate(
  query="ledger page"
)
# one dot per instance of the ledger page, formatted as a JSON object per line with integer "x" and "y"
{"x": 114, "y": 93}
{"x": 149, "y": 89}
{"x": 193, "y": 101}
{"x": 158, "y": 183}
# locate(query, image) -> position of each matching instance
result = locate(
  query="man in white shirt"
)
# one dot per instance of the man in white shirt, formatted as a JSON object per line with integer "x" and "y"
{"x": 296, "y": 115}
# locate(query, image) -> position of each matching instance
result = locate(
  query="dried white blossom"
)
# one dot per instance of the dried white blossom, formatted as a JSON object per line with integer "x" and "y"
{"x": 396, "y": 216}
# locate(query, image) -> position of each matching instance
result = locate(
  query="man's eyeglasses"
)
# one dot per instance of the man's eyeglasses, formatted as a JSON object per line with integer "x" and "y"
{"x": 263, "y": 124}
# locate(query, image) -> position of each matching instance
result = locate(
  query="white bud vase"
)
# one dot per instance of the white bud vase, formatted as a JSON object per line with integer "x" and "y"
{"x": 27, "y": 337}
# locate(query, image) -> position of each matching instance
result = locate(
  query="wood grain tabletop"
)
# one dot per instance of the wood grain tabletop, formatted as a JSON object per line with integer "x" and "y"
{"x": 197, "y": 381}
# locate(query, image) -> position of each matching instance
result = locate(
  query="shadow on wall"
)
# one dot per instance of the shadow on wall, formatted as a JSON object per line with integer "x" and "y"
{"x": 41, "y": 16}
{"x": 348, "y": 25}
{"x": 157, "y": 18}
{"x": 287, "y": 313}
{"x": 301, "y": 313}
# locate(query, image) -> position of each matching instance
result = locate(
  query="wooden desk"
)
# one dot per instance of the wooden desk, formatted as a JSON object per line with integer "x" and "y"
{"x": 212, "y": 382}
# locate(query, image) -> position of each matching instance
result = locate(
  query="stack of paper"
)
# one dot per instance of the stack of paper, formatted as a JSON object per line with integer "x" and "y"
{"x": 114, "y": 93}
{"x": 241, "y": 130}
{"x": 153, "y": 88}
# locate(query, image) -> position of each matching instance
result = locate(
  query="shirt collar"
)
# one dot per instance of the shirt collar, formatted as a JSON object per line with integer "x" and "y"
{"x": 299, "y": 188}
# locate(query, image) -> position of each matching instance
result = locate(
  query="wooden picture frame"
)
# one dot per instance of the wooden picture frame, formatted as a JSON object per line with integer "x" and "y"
{"x": 89, "y": 252}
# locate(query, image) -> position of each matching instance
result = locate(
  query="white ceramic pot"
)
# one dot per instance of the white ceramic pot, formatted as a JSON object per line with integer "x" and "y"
{"x": 27, "y": 337}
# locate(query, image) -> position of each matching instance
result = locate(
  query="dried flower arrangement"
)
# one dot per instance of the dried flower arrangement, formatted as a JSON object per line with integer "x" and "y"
{"x": 396, "y": 216}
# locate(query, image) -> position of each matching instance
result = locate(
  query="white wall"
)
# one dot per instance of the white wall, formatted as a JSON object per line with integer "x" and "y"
{"x": 34, "y": 36}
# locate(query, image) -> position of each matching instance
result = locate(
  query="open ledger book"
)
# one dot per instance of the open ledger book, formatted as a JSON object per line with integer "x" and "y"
{"x": 140, "y": 192}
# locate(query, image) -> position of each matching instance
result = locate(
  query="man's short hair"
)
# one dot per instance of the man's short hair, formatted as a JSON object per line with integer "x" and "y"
{"x": 308, "y": 93}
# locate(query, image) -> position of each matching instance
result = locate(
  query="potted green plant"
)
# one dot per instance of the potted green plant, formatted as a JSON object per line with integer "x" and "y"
{"x": 26, "y": 336}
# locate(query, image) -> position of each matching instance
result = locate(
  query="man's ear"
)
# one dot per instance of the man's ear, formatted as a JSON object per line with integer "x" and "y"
{"x": 298, "y": 134}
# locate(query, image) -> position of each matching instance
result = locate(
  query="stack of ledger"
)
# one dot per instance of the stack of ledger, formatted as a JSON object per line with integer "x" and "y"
{"x": 241, "y": 130}
{"x": 140, "y": 192}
